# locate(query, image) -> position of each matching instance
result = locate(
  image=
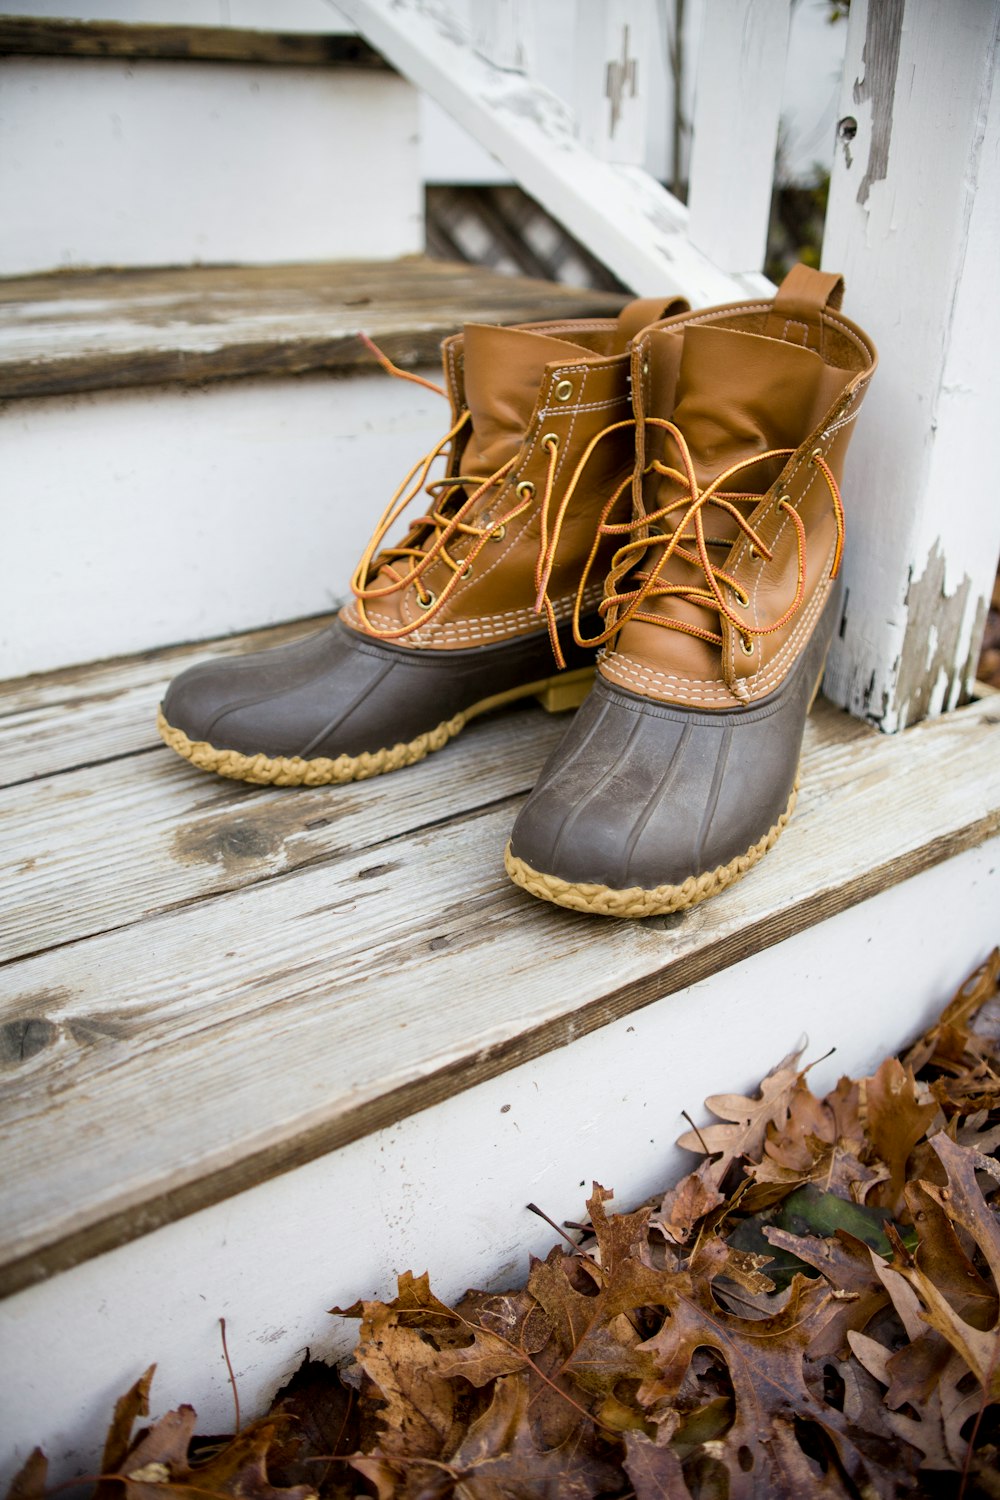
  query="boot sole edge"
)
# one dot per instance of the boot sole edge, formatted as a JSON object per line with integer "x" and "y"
{"x": 635, "y": 902}
{"x": 555, "y": 694}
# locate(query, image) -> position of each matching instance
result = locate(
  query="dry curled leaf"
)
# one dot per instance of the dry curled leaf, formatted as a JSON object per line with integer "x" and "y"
{"x": 813, "y": 1311}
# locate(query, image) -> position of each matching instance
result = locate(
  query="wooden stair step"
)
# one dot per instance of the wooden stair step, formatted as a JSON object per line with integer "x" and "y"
{"x": 43, "y": 36}
{"x": 73, "y": 331}
{"x": 204, "y": 985}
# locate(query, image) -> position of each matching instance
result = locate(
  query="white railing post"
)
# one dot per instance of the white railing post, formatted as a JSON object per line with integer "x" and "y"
{"x": 613, "y": 72}
{"x": 741, "y": 68}
{"x": 914, "y": 224}
{"x": 618, "y": 212}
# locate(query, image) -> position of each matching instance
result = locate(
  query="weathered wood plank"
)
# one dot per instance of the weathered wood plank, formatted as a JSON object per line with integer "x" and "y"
{"x": 163, "y": 834}
{"x": 57, "y": 721}
{"x": 37, "y": 36}
{"x": 317, "y": 1007}
{"x": 82, "y": 331}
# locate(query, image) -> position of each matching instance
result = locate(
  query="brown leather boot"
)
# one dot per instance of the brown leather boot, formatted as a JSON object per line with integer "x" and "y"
{"x": 680, "y": 771}
{"x": 471, "y": 610}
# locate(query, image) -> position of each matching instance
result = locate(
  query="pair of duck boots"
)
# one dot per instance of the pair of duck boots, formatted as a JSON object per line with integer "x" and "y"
{"x": 658, "y": 493}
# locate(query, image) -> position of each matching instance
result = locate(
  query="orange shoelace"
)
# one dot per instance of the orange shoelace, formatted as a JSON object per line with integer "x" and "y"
{"x": 624, "y": 606}
{"x": 433, "y": 534}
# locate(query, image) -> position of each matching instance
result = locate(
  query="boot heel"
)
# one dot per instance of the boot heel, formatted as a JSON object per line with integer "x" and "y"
{"x": 565, "y": 692}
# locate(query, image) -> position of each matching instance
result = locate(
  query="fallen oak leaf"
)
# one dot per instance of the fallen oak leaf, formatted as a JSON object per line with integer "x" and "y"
{"x": 419, "y": 1418}
{"x": 685, "y": 1205}
{"x": 319, "y": 1420}
{"x": 765, "y": 1363}
{"x": 746, "y": 1119}
{"x": 846, "y": 1264}
{"x": 165, "y": 1443}
{"x": 896, "y": 1116}
{"x": 29, "y": 1481}
{"x": 499, "y": 1459}
{"x": 654, "y": 1469}
{"x": 128, "y": 1409}
{"x": 940, "y": 1254}
{"x": 935, "y": 1429}
{"x": 980, "y": 987}
{"x": 963, "y": 1202}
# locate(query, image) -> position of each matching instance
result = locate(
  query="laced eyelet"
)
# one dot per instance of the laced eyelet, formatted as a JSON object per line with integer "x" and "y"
{"x": 466, "y": 571}
{"x": 564, "y": 390}
{"x": 550, "y": 437}
{"x": 426, "y": 600}
{"x": 525, "y": 489}
{"x": 742, "y": 599}
{"x": 754, "y": 553}
{"x": 746, "y": 645}
{"x": 816, "y": 453}
{"x": 499, "y": 534}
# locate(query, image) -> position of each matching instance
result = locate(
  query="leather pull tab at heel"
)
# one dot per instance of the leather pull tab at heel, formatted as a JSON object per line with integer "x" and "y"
{"x": 567, "y": 691}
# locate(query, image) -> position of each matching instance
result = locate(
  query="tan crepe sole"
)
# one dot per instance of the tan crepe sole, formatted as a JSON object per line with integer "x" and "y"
{"x": 605, "y": 901}
{"x": 555, "y": 694}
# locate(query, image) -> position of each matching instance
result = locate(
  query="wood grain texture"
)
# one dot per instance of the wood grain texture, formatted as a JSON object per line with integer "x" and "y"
{"x": 164, "y": 834}
{"x": 56, "y": 721}
{"x": 83, "y": 331}
{"x": 366, "y": 966}
{"x": 36, "y": 36}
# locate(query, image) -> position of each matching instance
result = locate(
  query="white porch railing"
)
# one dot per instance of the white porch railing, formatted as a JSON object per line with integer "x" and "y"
{"x": 914, "y": 222}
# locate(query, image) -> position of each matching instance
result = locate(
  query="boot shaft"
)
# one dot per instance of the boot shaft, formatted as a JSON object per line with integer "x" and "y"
{"x": 544, "y": 435}
{"x": 785, "y": 379}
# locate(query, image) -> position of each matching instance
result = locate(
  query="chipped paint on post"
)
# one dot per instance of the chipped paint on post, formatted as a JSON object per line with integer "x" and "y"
{"x": 913, "y": 224}
{"x": 940, "y": 645}
{"x": 881, "y": 60}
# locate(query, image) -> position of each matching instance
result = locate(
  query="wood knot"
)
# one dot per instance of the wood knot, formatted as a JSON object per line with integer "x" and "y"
{"x": 24, "y": 1038}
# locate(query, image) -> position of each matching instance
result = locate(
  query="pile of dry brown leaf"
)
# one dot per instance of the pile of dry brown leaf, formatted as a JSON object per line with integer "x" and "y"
{"x": 812, "y": 1311}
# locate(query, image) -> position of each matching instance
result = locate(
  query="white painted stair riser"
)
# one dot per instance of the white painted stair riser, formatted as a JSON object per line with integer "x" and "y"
{"x": 148, "y": 163}
{"x": 444, "y": 1190}
{"x": 137, "y": 519}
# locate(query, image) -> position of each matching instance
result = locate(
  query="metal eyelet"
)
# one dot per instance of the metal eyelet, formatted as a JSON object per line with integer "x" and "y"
{"x": 746, "y": 646}
{"x": 499, "y": 534}
{"x": 564, "y": 390}
{"x": 550, "y": 437}
{"x": 817, "y": 453}
{"x": 427, "y": 601}
{"x": 742, "y": 599}
{"x": 525, "y": 489}
{"x": 784, "y": 499}
{"x": 754, "y": 553}
{"x": 466, "y": 571}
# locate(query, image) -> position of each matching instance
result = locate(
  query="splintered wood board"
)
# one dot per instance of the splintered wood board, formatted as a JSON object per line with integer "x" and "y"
{"x": 203, "y": 985}
{"x": 98, "y": 330}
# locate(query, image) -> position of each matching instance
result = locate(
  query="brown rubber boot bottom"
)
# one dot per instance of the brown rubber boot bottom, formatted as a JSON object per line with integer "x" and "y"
{"x": 555, "y": 694}
{"x": 637, "y": 901}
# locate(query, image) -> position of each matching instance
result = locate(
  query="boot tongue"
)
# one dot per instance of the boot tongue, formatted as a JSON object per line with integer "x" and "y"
{"x": 736, "y": 395}
{"x": 503, "y": 370}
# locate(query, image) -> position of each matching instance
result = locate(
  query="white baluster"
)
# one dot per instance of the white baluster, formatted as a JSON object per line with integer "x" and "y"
{"x": 741, "y": 67}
